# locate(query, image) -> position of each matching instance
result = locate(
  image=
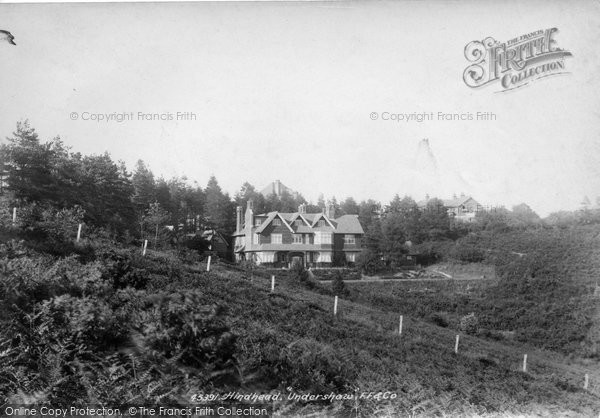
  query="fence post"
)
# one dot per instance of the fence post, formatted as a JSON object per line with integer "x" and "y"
{"x": 79, "y": 233}
{"x": 14, "y": 215}
{"x": 456, "y": 344}
{"x": 400, "y": 326}
{"x": 525, "y": 363}
{"x": 209, "y": 258}
{"x": 586, "y": 382}
{"x": 145, "y": 246}
{"x": 272, "y": 283}
{"x": 335, "y": 304}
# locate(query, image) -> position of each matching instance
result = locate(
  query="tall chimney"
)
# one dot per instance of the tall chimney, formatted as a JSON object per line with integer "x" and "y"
{"x": 249, "y": 215}
{"x": 302, "y": 208}
{"x": 330, "y": 211}
{"x": 238, "y": 218}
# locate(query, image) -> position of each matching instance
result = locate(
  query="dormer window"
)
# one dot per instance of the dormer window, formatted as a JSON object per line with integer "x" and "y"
{"x": 276, "y": 222}
{"x": 298, "y": 222}
{"x": 257, "y": 222}
{"x": 321, "y": 223}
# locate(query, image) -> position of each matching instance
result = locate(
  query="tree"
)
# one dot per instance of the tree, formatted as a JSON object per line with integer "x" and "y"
{"x": 29, "y": 166}
{"x": 349, "y": 207}
{"x": 220, "y": 212}
{"x": 434, "y": 221}
{"x": 156, "y": 218}
{"x": 143, "y": 190}
{"x": 522, "y": 216}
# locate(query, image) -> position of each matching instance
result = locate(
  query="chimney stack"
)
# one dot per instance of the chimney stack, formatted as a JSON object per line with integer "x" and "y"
{"x": 330, "y": 211}
{"x": 302, "y": 208}
{"x": 238, "y": 218}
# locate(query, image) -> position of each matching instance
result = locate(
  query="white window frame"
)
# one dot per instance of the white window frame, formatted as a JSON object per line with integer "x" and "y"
{"x": 276, "y": 238}
{"x": 298, "y": 239}
{"x": 256, "y": 239}
{"x": 276, "y": 222}
{"x": 257, "y": 222}
{"x": 349, "y": 239}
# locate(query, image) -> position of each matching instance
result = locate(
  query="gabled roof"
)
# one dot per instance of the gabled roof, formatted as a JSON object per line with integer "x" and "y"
{"x": 319, "y": 216}
{"x": 348, "y": 224}
{"x": 453, "y": 203}
{"x": 449, "y": 203}
{"x": 272, "y": 215}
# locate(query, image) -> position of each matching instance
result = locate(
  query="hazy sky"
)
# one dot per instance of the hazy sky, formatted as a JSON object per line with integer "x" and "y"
{"x": 285, "y": 91}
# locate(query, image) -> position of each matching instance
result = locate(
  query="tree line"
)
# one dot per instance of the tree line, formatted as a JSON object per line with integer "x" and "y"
{"x": 128, "y": 205}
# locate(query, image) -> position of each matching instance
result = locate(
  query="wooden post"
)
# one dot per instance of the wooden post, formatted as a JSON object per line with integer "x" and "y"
{"x": 209, "y": 258}
{"x": 79, "y": 233}
{"x": 145, "y": 246}
{"x": 335, "y": 303}
{"x": 525, "y": 363}
{"x": 14, "y": 215}
{"x": 272, "y": 283}
{"x": 456, "y": 344}
{"x": 400, "y": 326}
{"x": 586, "y": 382}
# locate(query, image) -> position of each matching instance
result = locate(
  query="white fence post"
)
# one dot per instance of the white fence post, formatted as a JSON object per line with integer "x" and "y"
{"x": 209, "y": 258}
{"x": 525, "y": 363}
{"x": 456, "y": 344}
{"x": 14, "y": 215}
{"x": 400, "y": 326}
{"x": 586, "y": 382}
{"x": 272, "y": 283}
{"x": 335, "y": 304}
{"x": 79, "y": 233}
{"x": 145, "y": 246}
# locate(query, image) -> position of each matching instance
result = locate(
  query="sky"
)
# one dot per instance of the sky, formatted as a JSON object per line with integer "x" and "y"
{"x": 287, "y": 91}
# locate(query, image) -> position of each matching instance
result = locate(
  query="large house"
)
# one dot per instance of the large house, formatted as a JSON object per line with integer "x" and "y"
{"x": 463, "y": 208}
{"x": 282, "y": 239}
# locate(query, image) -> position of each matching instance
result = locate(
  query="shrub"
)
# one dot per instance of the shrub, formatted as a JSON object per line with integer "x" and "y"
{"x": 439, "y": 318}
{"x": 469, "y": 324}
{"x": 338, "y": 286}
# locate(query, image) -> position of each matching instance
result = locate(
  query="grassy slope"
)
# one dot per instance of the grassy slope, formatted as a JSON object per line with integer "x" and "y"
{"x": 360, "y": 348}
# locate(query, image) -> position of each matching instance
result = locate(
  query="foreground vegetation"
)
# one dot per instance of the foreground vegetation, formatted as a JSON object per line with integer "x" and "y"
{"x": 105, "y": 325}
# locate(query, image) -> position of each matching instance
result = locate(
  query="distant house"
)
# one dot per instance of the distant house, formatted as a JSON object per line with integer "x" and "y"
{"x": 463, "y": 208}
{"x": 312, "y": 239}
{"x": 217, "y": 242}
{"x": 277, "y": 188}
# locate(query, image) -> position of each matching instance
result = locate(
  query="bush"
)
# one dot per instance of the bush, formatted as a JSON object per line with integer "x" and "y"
{"x": 469, "y": 324}
{"x": 338, "y": 286}
{"x": 439, "y": 318}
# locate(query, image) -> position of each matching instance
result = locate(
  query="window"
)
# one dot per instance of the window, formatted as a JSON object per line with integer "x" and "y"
{"x": 256, "y": 239}
{"x": 257, "y": 222}
{"x": 349, "y": 239}
{"x": 297, "y": 239}
{"x": 275, "y": 238}
{"x": 321, "y": 223}
{"x": 322, "y": 238}
{"x": 351, "y": 257}
{"x": 298, "y": 222}
{"x": 277, "y": 222}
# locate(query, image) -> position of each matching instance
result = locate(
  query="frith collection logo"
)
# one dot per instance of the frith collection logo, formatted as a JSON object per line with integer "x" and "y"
{"x": 514, "y": 63}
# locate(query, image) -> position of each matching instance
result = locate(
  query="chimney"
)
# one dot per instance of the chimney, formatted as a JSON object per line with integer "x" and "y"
{"x": 238, "y": 218}
{"x": 330, "y": 211}
{"x": 454, "y": 196}
{"x": 462, "y": 194}
{"x": 249, "y": 215}
{"x": 302, "y": 208}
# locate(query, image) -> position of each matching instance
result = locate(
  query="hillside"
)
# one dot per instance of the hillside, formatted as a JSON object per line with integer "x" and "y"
{"x": 111, "y": 327}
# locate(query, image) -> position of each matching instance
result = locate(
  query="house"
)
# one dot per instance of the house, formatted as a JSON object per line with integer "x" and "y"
{"x": 463, "y": 208}
{"x": 277, "y": 188}
{"x": 312, "y": 239}
{"x": 217, "y": 242}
